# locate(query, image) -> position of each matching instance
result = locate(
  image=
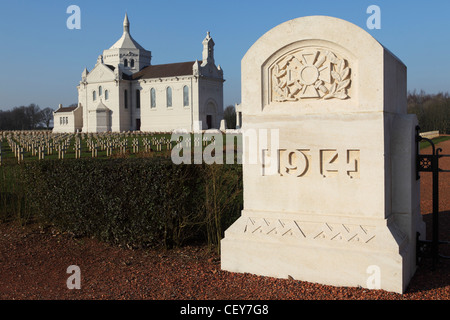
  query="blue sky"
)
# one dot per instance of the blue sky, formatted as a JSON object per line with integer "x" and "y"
{"x": 42, "y": 60}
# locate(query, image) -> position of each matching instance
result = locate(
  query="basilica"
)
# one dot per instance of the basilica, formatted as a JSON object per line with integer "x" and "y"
{"x": 125, "y": 92}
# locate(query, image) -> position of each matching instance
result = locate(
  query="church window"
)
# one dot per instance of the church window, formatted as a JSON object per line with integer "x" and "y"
{"x": 60, "y": 120}
{"x": 125, "y": 98}
{"x": 186, "y": 96}
{"x": 125, "y": 63}
{"x": 94, "y": 95}
{"x": 106, "y": 94}
{"x": 152, "y": 98}
{"x": 169, "y": 96}
{"x": 132, "y": 63}
{"x": 100, "y": 91}
{"x": 138, "y": 99}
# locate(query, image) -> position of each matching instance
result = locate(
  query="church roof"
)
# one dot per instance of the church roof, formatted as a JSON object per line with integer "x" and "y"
{"x": 165, "y": 70}
{"x": 126, "y": 41}
{"x": 66, "y": 109}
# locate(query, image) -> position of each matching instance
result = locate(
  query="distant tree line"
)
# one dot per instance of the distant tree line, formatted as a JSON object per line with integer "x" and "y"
{"x": 432, "y": 110}
{"x": 26, "y": 118}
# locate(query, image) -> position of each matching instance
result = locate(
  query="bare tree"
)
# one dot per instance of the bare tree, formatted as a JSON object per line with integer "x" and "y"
{"x": 432, "y": 110}
{"x": 34, "y": 115}
{"x": 21, "y": 118}
{"x": 47, "y": 116}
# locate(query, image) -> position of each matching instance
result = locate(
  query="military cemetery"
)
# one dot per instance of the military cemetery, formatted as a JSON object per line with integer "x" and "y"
{"x": 319, "y": 182}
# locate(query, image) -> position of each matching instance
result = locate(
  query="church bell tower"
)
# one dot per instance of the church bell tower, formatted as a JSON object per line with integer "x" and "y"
{"x": 127, "y": 54}
{"x": 208, "y": 50}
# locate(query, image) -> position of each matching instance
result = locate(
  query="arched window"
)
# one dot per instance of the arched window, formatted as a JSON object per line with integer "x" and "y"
{"x": 106, "y": 94}
{"x": 186, "y": 96}
{"x": 125, "y": 99}
{"x": 138, "y": 99}
{"x": 169, "y": 97}
{"x": 125, "y": 63}
{"x": 132, "y": 63}
{"x": 94, "y": 95}
{"x": 100, "y": 91}
{"x": 153, "y": 98}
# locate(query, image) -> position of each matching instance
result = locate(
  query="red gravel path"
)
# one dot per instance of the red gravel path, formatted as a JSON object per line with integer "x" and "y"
{"x": 33, "y": 267}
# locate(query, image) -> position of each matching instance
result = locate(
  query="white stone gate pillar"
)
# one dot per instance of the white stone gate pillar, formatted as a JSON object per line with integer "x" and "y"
{"x": 334, "y": 200}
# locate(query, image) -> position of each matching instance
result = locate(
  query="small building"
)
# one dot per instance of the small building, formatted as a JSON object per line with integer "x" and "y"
{"x": 68, "y": 119}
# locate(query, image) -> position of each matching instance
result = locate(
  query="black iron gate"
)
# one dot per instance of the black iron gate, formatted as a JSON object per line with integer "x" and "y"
{"x": 430, "y": 163}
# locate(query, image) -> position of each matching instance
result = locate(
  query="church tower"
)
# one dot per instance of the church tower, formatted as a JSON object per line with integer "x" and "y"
{"x": 126, "y": 54}
{"x": 208, "y": 50}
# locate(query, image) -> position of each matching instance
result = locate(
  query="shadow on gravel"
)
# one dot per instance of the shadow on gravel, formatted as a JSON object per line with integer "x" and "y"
{"x": 444, "y": 229}
{"x": 427, "y": 278}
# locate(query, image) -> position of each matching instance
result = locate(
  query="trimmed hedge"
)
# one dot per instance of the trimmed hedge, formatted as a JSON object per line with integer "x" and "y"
{"x": 137, "y": 202}
{"x": 13, "y": 204}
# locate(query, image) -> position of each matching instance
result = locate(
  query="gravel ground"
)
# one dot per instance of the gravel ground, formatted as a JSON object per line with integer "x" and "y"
{"x": 33, "y": 266}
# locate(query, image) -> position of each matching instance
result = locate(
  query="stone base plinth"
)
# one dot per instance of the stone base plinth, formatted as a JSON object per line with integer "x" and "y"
{"x": 334, "y": 251}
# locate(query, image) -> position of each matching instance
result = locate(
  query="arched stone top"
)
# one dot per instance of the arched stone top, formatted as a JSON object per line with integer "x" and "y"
{"x": 321, "y": 64}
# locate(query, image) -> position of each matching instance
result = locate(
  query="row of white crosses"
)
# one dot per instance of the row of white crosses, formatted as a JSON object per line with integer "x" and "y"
{"x": 77, "y": 148}
{"x": 42, "y": 143}
{"x": 16, "y": 148}
{"x": 38, "y": 144}
{"x": 197, "y": 140}
{"x": 63, "y": 147}
{"x": 14, "y": 144}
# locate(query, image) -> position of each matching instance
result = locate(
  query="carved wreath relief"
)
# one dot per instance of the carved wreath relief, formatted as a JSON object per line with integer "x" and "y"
{"x": 310, "y": 73}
